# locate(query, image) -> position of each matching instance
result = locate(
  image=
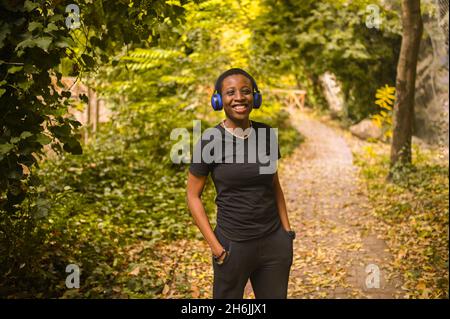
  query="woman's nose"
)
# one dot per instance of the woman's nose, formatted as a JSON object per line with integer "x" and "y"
{"x": 240, "y": 96}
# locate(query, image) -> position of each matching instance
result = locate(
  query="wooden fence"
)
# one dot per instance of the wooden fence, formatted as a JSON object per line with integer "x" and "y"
{"x": 292, "y": 98}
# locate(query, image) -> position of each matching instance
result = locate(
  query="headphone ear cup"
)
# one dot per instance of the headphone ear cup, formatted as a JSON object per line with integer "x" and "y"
{"x": 257, "y": 100}
{"x": 216, "y": 102}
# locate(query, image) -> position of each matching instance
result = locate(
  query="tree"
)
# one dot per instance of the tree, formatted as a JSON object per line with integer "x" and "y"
{"x": 35, "y": 38}
{"x": 405, "y": 83}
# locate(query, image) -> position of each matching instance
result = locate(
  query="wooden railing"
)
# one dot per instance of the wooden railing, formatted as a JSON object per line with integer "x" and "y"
{"x": 295, "y": 98}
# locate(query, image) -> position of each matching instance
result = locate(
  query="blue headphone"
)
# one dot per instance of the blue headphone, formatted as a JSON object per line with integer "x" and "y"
{"x": 216, "y": 98}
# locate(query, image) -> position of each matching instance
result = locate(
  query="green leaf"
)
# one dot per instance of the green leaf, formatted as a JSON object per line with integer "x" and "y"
{"x": 88, "y": 60}
{"x": 4, "y": 31}
{"x": 2, "y": 91}
{"x": 14, "y": 140}
{"x": 34, "y": 25}
{"x": 27, "y": 43}
{"x": 43, "y": 139}
{"x": 43, "y": 42}
{"x": 51, "y": 27}
{"x": 62, "y": 131}
{"x": 84, "y": 98}
{"x": 5, "y": 148}
{"x": 15, "y": 69}
{"x": 22, "y": 136}
{"x": 30, "y": 5}
{"x": 73, "y": 147}
{"x": 25, "y": 134}
{"x": 62, "y": 44}
{"x": 74, "y": 123}
{"x": 25, "y": 85}
{"x": 56, "y": 17}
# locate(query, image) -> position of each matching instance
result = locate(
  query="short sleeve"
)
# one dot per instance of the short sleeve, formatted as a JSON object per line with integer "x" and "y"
{"x": 198, "y": 167}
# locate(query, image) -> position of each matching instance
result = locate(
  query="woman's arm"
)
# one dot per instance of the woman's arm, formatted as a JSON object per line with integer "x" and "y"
{"x": 281, "y": 203}
{"x": 195, "y": 185}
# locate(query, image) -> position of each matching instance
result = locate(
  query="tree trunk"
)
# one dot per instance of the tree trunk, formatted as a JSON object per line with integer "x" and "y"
{"x": 405, "y": 83}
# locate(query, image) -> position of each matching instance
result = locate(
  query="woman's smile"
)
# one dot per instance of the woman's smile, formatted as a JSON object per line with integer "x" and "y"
{"x": 240, "y": 108}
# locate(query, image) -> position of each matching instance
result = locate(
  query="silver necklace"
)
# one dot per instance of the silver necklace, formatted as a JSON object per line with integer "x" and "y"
{"x": 232, "y": 133}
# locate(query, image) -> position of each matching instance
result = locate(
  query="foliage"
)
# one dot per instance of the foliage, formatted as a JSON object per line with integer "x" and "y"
{"x": 37, "y": 48}
{"x": 35, "y": 39}
{"x": 385, "y": 101}
{"x": 414, "y": 213}
{"x": 32, "y": 43}
{"x": 308, "y": 38}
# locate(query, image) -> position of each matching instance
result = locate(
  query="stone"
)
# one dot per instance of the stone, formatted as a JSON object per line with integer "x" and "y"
{"x": 366, "y": 129}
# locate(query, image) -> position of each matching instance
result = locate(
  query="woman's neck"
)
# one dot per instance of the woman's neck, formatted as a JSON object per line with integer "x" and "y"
{"x": 233, "y": 124}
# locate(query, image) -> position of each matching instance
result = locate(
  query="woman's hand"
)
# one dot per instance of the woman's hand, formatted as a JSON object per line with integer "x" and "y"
{"x": 220, "y": 257}
{"x": 217, "y": 252}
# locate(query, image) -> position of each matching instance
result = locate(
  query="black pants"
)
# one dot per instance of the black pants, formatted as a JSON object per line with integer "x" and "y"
{"x": 266, "y": 261}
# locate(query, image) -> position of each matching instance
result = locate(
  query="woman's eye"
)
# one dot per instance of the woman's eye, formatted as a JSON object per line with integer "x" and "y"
{"x": 230, "y": 93}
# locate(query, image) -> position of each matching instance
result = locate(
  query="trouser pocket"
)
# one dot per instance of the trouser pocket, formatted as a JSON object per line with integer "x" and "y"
{"x": 281, "y": 245}
{"x": 226, "y": 244}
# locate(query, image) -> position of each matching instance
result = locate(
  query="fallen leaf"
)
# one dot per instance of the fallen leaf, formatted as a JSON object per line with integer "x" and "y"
{"x": 135, "y": 271}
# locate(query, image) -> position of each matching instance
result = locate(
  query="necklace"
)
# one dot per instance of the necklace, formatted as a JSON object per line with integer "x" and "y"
{"x": 231, "y": 131}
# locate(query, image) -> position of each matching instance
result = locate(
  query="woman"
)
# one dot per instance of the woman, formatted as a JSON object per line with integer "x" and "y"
{"x": 253, "y": 238}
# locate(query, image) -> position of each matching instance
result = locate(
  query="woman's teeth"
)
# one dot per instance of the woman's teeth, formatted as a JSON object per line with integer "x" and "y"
{"x": 240, "y": 107}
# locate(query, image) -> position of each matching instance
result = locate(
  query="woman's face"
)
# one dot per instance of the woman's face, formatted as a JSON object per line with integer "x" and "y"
{"x": 237, "y": 96}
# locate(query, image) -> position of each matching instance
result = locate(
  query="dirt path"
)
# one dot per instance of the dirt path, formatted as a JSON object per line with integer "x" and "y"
{"x": 329, "y": 210}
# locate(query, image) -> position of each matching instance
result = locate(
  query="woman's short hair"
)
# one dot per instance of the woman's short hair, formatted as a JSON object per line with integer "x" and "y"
{"x": 233, "y": 71}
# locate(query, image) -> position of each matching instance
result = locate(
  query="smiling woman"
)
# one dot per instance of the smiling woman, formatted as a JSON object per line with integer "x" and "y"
{"x": 253, "y": 239}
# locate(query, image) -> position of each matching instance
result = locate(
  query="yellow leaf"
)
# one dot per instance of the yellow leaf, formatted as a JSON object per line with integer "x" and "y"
{"x": 135, "y": 271}
{"x": 195, "y": 292}
{"x": 166, "y": 289}
{"x": 401, "y": 253}
{"x": 376, "y": 121}
{"x": 421, "y": 286}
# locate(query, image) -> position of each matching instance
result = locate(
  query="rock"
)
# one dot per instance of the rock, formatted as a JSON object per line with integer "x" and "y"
{"x": 366, "y": 129}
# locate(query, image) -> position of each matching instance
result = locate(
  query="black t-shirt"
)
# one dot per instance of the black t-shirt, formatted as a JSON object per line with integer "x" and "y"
{"x": 246, "y": 203}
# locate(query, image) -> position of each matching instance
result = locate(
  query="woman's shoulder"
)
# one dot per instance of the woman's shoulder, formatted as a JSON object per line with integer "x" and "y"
{"x": 213, "y": 131}
{"x": 257, "y": 124}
